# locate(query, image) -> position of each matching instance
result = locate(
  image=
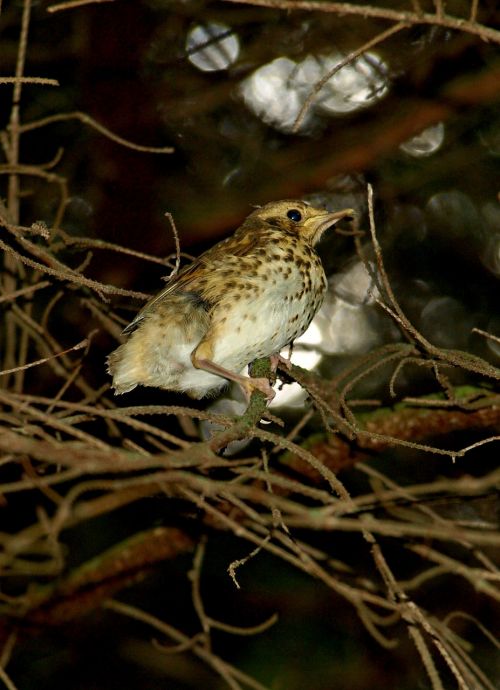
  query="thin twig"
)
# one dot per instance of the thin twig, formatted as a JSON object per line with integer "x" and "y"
{"x": 38, "y": 362}
{"x": 229, "y": 674}
{"x": 72, "y": 4}
{"x": 29, "y": 80}
{"x": 353, "y": 55}
{"x": 6, "y": 680}
{"x": 87, "y": 120}
{"x": 346, "y": 8}
{"x": 177, "y": 264}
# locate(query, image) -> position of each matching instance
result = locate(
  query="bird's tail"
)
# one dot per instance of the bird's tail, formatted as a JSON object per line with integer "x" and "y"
{"x": 125, "y": 368}
{"x": 158, "y": 352}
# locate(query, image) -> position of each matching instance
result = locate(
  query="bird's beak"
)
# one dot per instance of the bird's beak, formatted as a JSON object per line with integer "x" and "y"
{"x": 316, "y": 225}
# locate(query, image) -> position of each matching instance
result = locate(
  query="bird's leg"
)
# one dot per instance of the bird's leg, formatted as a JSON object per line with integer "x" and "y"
{"x": 247, "y": 384}
{"x": 277, "y": 359}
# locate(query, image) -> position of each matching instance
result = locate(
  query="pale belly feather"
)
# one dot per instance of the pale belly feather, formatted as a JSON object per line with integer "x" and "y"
{"x": 262, "y": 324}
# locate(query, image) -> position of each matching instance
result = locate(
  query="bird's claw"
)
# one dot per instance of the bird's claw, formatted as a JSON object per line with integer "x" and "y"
{"x": 279, "y": 359}
{"x": 258, "y": 384}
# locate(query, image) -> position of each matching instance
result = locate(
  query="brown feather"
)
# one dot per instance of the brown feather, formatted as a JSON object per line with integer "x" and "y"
{"x": 246, "y": 297}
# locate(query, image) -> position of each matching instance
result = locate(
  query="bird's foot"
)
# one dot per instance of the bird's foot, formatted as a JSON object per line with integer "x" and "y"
{"x": 277, "y": 359}
{"x": 249, "y": 386}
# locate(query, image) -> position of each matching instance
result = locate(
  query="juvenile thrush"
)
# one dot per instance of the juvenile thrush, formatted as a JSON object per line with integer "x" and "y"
{"x": 247, "y": 297}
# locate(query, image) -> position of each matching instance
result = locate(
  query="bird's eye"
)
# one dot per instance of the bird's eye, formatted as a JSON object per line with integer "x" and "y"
{"x": 294, "y": 215}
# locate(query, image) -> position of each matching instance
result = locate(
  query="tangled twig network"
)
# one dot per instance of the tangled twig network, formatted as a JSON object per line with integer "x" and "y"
{"x": 73, "y": 447}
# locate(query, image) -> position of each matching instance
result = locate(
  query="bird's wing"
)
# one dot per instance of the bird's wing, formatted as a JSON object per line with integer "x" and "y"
{"x": 179, "y": 283}
{"x": 187, "y": 279}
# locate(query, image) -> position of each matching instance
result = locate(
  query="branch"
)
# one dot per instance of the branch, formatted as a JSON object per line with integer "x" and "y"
{"x": 411, "y": 18}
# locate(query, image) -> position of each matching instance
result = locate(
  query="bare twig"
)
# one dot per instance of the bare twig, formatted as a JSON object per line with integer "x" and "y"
{"x": 353, "y": 55}
{"x": 44, "y": 81}
{"x": 345, "y": 8}
{"x": 90, "y": 122}
{"x": 72, "y": 4}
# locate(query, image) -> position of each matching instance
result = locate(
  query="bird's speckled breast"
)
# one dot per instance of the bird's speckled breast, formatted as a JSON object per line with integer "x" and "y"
{"x": 280, "y": 288}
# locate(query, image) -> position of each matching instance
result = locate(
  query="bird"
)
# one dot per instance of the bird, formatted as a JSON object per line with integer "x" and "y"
{"x": 247, "y": 297}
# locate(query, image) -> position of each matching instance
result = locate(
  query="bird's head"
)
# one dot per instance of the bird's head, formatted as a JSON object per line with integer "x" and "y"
{"x": 300, "y": 218}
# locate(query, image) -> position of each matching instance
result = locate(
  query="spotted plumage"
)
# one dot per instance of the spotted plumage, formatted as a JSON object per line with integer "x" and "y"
{"x": 246, "y": 297}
